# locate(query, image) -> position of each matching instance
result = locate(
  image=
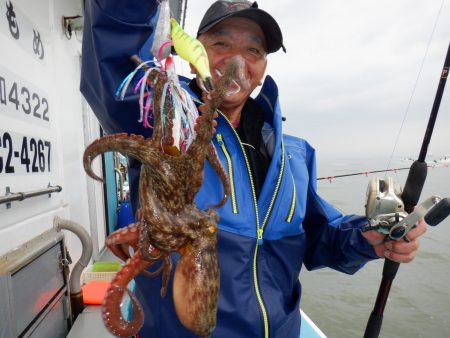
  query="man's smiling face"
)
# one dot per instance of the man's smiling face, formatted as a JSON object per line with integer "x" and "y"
{"x": 237, "y": 37}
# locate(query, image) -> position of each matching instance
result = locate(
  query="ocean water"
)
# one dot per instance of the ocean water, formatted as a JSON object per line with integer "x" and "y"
{"x": 419, "y": 301}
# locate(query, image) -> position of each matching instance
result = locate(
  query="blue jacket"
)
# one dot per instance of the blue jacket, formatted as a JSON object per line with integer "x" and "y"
{"x": 262, "y": 242}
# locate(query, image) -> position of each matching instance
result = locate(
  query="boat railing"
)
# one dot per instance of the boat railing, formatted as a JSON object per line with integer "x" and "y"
{"x": 20, "y": 196}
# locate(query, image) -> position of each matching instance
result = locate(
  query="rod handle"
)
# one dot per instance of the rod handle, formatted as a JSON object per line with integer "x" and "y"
{"x": 373, "y": 325}
{"x": 414, "y": 185}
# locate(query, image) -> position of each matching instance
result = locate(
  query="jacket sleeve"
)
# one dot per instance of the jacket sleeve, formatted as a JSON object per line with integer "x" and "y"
{"x": 333, "y": 239}
{"x": 114, "y": 30}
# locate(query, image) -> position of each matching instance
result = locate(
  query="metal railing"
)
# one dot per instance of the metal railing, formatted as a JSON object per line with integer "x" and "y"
{"x": 20, "y": 196}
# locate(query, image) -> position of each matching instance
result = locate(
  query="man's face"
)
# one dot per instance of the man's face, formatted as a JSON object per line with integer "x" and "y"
{"x": 237, "y": 37}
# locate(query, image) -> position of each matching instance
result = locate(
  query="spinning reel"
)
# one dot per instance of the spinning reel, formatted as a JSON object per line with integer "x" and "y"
{"x": 386, "y": 213}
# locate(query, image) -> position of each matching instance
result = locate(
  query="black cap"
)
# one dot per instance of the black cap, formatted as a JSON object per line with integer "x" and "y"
{"x": 225, "y": 9}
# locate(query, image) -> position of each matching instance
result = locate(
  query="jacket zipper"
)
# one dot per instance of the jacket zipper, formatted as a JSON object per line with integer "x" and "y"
{"x": 260, "y": 240}
{"x": 293, "y": 201}
{"x": 259, "y": 229}
{"x": 274, "y": 196}
{"x": 222, "y": 145}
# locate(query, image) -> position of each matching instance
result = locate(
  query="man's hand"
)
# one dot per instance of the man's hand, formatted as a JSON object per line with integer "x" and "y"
{"x": 398, "y": 251}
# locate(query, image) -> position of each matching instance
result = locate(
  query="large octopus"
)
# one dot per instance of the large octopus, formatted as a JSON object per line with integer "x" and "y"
{"x": 168, "y": 220}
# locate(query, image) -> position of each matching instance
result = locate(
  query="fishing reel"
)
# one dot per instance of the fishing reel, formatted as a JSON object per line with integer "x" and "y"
{"x": 386, "y": 213}
{"x": 384, "y": 205}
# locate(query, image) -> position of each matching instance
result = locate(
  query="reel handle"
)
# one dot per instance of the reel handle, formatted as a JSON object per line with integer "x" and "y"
{"x": 438, "y": 213}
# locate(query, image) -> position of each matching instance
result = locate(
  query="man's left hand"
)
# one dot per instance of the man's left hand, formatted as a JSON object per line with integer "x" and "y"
{"x": 398, "y": 251}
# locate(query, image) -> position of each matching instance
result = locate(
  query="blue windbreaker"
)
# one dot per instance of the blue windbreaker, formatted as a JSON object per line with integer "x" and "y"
{"x": 262, "y": 242}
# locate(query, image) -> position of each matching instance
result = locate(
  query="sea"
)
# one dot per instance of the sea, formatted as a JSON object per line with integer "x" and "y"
{"x": 419, "y": 301}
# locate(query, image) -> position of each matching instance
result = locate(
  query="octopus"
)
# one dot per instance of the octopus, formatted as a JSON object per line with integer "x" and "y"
{"x": 168, "y": 219}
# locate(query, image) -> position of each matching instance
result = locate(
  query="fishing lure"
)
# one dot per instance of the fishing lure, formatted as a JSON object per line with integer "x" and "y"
{"x": 161, "y": 46}
{"x": 178, "y": 110}
{"x": 191, "y": 50}
{"x": 185, "y": 112}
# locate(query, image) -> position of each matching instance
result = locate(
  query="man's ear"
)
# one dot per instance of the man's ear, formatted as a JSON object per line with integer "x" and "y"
{"x": 263, "y": 75}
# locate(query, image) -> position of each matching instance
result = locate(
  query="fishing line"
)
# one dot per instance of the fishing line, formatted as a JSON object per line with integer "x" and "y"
{"x": 415, "y": 86}
{"x": 184, "y": 10}
{"x": 184, "y": 13}
{"x": 366, "y": 173}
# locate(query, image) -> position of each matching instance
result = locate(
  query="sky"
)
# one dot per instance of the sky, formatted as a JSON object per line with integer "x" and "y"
{"x": 350, "y": 70}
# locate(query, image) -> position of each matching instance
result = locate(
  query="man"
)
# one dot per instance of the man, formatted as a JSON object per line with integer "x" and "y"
{"x": 274, "y": 219}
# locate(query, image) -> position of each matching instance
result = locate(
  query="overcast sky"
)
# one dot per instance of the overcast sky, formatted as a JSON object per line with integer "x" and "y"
{"x": 350, "y": 69}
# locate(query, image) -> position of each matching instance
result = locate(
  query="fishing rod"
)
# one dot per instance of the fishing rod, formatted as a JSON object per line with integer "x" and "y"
{"x": 330, "y": 178}
{"x": 410, "y": 196}
{"x": 366, "y": 173}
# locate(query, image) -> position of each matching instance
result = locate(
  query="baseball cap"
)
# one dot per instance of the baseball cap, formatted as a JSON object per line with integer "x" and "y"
{"x": 225, "y": 9}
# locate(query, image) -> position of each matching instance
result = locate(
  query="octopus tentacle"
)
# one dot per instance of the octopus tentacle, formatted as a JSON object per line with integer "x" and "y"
{"x": 198, "y": 146}
{"x": 213, "y": 159}
{"x": 127, "y": 236}
{"x": 201, "y": 145}
{"x": 168, "y": 266}
{"x": 111, "y": 312}
{"x": 132, "y": 145}
{"x": 112, "y": 316}
{"x": 147, "y": 250}
{"x": 154, "y": 273}
{"x": 158, "y": 88}
{"x": 167, "y": 138}
{"x": 166, "y": 269}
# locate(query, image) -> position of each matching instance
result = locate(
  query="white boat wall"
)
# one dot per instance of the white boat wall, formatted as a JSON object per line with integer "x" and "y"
{"x": 45, "y": 125}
